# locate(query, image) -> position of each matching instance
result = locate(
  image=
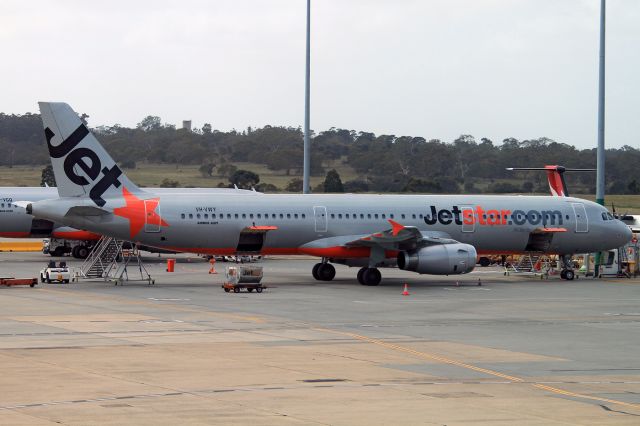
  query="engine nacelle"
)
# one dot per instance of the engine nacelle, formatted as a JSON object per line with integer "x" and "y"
{"x": 441, "y": 259}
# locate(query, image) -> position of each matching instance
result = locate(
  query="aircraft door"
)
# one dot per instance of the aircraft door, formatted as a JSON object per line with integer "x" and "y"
{"x": 320, "y": 214}
{"x": 582, "y": 221}
{"x": 151, "y": 216}
{"x": 468, "y": 224}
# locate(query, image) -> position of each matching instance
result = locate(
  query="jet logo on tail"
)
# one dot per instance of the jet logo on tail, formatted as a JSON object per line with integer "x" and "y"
{"x": 91, "y": 168}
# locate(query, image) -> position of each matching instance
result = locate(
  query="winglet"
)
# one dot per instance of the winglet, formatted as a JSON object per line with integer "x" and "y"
{"x": 395, "y": 227}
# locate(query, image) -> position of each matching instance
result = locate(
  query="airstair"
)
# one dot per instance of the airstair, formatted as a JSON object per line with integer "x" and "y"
{"x": 108, "y": 260}
{"x": 534, "y": 264}
{"x": 102, "y": 258}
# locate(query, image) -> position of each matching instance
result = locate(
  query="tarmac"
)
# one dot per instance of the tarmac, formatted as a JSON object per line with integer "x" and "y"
{"x": 514, "y": 350}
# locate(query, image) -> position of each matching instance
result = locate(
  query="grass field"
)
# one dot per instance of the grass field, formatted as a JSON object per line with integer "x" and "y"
{"x": 151, "y": 175}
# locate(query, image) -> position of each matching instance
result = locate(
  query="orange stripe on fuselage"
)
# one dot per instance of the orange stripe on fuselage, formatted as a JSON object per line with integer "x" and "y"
{"x": 76, "y": 235}
{"x": 15, "y": 234}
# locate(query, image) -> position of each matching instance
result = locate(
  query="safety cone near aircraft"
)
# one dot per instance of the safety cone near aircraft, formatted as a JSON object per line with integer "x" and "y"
{"x": 212, "y": 270}
{"x": 427, "y": 234}
{"x": 405, "y": 292}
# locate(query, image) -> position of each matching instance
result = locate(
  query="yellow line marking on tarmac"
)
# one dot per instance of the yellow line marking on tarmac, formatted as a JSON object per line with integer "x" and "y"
{"x": 450, "y": 361}
{"x": 146, "y": 303}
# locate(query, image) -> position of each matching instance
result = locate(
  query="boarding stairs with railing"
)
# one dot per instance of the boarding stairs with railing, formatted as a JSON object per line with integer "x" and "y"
{"x": 102, "y": 259}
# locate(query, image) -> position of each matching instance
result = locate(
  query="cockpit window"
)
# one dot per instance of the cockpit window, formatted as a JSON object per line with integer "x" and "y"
{"x": 604, "y": 216}
{"x": 610, "y": 216}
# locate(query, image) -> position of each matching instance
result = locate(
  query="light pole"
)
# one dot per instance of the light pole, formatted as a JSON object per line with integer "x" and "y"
{"x": 601, "y": 108}
{"x": 307, "y": 154}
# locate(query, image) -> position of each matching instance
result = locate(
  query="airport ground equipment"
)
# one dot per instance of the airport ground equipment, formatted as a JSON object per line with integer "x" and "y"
{"x": 622, "y": 262}
{"x": 57, "y": 247}
{"x": 108, "y": 260}
{"x": 243, "y": 277}
{"x": 60, "y": 273}
{"x": 11, "y": 281}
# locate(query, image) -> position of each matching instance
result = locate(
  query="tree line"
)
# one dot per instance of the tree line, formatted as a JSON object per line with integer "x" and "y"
{"x": 385, "y": 163}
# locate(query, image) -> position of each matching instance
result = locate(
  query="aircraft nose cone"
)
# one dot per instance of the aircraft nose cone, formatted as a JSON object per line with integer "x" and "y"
{"x": 625, "y": 234}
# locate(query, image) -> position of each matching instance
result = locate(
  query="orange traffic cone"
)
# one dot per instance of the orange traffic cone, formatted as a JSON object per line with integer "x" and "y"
{"x": 213, "y": 266}
{"x": 406, "y": 290}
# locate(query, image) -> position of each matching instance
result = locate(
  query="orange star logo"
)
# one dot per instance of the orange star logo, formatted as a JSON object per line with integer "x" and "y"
{"x": 139, "y": 212}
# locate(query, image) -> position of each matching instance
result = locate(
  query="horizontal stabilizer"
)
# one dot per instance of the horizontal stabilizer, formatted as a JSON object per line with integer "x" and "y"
{"x": 86, "y": 211}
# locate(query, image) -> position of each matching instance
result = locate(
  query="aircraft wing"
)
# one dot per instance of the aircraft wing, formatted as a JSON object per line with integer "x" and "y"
{"x": 399, "y": 237}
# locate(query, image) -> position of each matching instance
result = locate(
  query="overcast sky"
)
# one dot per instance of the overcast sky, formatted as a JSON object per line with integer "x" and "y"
{"x": 430, "y": 68}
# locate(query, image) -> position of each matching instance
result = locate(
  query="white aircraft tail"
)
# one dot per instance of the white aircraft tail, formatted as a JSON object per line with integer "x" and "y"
{"x": 82, "y": 167}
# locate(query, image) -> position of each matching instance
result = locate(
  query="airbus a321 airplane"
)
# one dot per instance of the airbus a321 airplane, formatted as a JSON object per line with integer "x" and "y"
{"x": 427, "y": 234}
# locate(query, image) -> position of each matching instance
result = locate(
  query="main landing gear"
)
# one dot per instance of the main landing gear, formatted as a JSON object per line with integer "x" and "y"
{"x": 323, "y": 271}
{"x": 369, "y": 276}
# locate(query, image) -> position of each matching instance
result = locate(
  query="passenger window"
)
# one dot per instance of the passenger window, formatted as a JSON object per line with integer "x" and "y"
{"x": 303, "y": 215}
{"x": 213, "y": 215}
{"x": 402, "y": 215}
{"x": 368, "y": 215}
{"x": 295, "y": 216}
{"x": 244, "y": 216}
{"x": 259, "y": 216}
{"x": 361, "y": 216}
{"x": 384, "y": 216}
{"x": 288, "y": 215}
{"x": 250, "y": 215}
{"x": 190, "y": 215}
{"x": 182, "y": 215}
{"x": 339, "y": 215}
{"x": 346, "y": 216}
{"x": 413, "y": 216}
{"x": 206, "y": 216}
{"x": 391, "y": 215}
{"x": 228, "y": 215}
{"x": 198, "y": 216}
{"x": 333, "y": 216}
{"x": 236, "y": 215}
{"x": 273, "y": 216}
{"x": 375, "y": 215}
{"x": 281, "y": 216}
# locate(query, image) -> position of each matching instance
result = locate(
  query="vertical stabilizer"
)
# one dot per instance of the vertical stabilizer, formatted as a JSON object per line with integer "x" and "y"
{"x": 81, "y": 165}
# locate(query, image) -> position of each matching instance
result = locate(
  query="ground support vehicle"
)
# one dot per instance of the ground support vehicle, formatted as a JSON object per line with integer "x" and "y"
{"x": 60, "y": 273}
{"x": 243, "y": 277}
{"x": 11, "y": 281}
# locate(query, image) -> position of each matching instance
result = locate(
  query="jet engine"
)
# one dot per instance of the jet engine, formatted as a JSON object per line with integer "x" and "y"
{"x": 441, "y": 259}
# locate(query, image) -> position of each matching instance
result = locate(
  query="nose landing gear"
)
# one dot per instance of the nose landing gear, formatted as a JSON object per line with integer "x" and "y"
{"x": 567, "y": 271}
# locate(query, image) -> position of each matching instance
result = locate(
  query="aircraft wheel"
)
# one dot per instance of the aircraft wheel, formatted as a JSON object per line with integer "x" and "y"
{"x": 569, "y": 275}
{"x": 563, "y": 274}
{"x": 259, "y": 289}
{"x": 58, "y": 252}
{"x": 236, "y": 289}
{"x": 360, "y": 274}
{"x": 314, "y": 271}
{"x": 371, "y": 276}
{"x": 326, "y": 272}
{"x": 484, "y": 262}
{"x": 82, "y": 252}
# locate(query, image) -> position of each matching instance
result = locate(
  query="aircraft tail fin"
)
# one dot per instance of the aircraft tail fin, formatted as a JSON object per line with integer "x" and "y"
{"x": 82, "y": 167}
{"x": 555, "y": 177}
